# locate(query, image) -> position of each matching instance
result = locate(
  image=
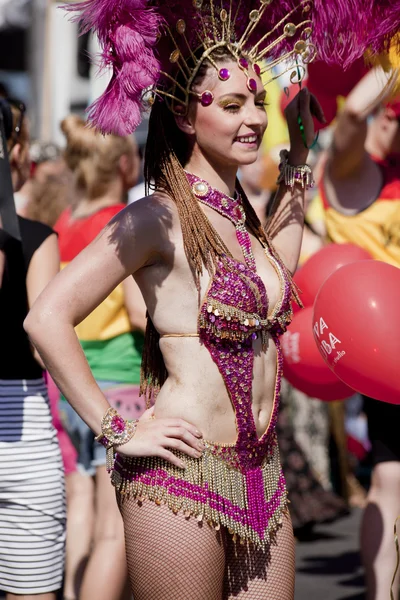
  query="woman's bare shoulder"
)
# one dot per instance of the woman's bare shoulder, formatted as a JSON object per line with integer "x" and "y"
{"x": 153, "y": 210}
{"x": 145, "y": 225}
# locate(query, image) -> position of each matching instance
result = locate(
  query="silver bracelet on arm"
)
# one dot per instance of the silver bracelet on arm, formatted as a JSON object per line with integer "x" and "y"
{"x": 290, "y": 176}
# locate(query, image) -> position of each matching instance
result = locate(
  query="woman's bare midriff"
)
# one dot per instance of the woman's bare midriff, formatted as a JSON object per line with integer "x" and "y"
{"x": 195, "y": 390}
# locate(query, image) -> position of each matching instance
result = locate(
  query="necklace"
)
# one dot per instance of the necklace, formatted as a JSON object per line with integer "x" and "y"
{"x": 228, "y": 207}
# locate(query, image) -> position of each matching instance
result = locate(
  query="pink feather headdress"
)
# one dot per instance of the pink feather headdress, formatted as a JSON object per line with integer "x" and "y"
{"x": 159, "y": 45}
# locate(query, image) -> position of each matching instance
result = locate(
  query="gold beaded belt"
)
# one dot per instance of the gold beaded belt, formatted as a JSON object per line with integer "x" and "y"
{"x": 249, "y": 503}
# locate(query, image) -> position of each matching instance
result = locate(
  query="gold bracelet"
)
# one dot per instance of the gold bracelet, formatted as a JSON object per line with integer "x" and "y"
{"x": 290, "y": 176}
{"x": 115, "y": 431}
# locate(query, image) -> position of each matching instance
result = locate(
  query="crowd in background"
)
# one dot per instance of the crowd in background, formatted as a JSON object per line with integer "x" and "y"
{"x": 326, "y": 452}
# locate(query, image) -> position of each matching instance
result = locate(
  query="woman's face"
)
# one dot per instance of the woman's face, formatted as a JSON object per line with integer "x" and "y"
{"x": 229, "y": 131}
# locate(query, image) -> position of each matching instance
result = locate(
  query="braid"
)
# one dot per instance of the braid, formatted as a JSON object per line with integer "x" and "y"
{"x": 202, "y": 248}
{"x": 153, "y": 372}
{"x": 201, "y": 245}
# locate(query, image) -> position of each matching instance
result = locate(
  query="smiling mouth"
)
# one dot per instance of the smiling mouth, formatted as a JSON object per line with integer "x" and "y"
{"x": 247, "y": 139}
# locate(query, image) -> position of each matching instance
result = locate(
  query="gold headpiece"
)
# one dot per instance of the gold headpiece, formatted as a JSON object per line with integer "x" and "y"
{"x": 216, "y": 29}
{"x": 193, "y": 31}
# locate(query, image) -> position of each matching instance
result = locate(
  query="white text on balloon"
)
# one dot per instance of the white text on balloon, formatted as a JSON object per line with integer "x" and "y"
{"x": 327, "y": 348}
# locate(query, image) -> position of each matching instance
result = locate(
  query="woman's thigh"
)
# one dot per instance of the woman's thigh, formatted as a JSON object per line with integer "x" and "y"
{"x": 169, "y": 556}
{"x": 251, "y": 574}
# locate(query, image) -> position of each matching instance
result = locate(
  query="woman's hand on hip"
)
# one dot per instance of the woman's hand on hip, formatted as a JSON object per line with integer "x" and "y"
{"x": 156, "y": 437}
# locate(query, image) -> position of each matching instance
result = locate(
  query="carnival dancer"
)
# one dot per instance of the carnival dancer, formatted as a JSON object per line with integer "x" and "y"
{"x": 198, "y": 477}
{"x": 361, "y": 195}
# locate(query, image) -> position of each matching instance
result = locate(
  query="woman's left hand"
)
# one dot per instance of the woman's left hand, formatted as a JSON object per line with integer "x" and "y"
{"x": 305, "y": 105}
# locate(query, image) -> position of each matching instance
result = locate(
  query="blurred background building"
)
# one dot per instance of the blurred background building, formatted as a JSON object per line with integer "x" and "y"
{"x": 46, "y": 64}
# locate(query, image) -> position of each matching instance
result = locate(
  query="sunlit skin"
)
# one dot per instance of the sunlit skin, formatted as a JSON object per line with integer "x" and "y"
{"x": 146, "y": 240}
{"x": 217, "y": 153}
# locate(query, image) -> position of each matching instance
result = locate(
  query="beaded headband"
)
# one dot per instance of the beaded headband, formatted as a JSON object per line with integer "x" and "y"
{"x": 155, "y": 48}
{"x": 219, "y": 26}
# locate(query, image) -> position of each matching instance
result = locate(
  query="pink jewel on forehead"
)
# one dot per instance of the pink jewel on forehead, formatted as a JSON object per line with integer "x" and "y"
{"x": 257, "y": 70}
{"x": 206, "y": 98}
{"x": 252, "y": 84}
{"x": 224, "y": 74}
{"x": 243, "y": 63}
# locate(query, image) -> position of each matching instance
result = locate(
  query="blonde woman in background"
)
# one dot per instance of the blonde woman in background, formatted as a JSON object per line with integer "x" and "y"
{"x": 104, "y": 169}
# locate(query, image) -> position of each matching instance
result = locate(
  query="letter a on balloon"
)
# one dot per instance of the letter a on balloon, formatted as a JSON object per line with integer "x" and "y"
{"x": 333, "y": 340}
{"x": 322, "y": 325}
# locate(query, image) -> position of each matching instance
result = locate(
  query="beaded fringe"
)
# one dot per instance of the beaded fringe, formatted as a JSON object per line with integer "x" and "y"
{"x": 210, "y": 489}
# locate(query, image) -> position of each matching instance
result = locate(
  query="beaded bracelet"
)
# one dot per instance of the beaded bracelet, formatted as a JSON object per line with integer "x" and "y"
{"x": 290, "y": 176}
{"x": 115, "y": 431}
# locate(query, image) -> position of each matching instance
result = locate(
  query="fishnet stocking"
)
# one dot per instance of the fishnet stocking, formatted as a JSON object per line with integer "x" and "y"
{"x": 170, "y": 557}
{"x": 255, "y": 575}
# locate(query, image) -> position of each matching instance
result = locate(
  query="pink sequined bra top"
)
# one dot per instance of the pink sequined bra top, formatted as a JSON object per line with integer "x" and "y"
{"x": 233, "y": 314}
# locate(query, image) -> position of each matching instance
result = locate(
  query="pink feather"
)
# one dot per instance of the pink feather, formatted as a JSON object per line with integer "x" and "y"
{"x": 115, "y": 111}
{"x": 342, "y": 29}
{"x": 128, "y": 31}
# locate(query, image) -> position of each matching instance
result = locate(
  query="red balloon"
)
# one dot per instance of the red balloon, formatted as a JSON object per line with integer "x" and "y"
{"x": 327, "y": 391}
{"x": 357, "y": 326}
{"x": 323, "y": 263}
{"x": 300, "y": 352}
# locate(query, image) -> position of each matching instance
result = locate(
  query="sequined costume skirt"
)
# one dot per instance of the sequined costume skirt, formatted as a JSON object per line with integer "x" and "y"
{"x": 249, "y": 502}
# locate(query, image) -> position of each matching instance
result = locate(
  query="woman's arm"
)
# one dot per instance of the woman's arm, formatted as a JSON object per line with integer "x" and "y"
{"x": 127, "y": 244}
{"x": 347, "y": 154}
{"x": 134, "y": 304}
{"x": 69, "y": 298}
{"x": 286, "y": 221}
{"x": 43, "y": 267}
